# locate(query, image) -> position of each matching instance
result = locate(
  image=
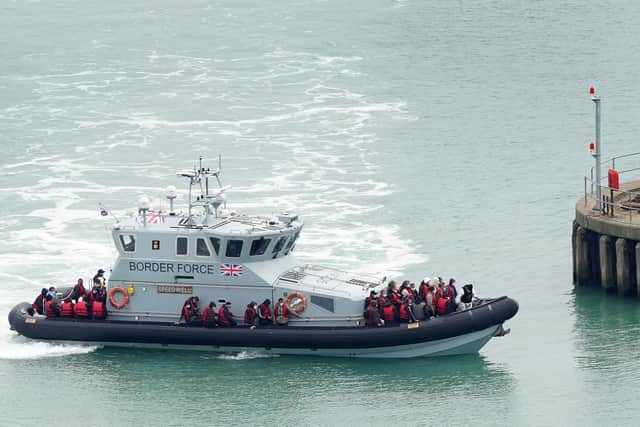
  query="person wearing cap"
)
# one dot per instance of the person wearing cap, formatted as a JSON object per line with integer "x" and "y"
{"x": 225, "y": 317}
{"x": 372, "y": 315}
{"x": 98, "y": 279}
{"x": 264, "y": 313}
{"x": 251, "y": 315}
{"x": 209, "y": 315}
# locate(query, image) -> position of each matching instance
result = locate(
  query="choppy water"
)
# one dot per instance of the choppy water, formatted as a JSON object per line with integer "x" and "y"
{"x": 415, "y": 137}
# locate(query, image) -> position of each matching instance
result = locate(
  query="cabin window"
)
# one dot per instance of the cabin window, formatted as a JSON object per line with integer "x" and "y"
{"x": 128, "y": 242}
{"x": 324, "y": 302}
{"x": 201, "y": 247}
{"x": 155, "y": 245}
{"x": 234, "y": 248}
{"x": 279, "y": 244}
{"x": 182, "y": 246}
{"x": 215, "y": 242}
{"x": 259, "y": 246}
{"x": 291, "y": 242}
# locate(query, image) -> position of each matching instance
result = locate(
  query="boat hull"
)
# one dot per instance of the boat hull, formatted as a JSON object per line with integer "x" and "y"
{"x": 456, "y": 333}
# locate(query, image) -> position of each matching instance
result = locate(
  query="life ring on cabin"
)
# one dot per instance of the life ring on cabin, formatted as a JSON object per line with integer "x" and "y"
{"x": 112, "y": 297}
{"x": 296, "y": 302}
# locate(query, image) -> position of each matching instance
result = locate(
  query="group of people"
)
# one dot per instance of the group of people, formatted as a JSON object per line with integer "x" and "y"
{"x": 408, "y": 303}
{"x": 80, "y": 303}
{"x": 255, "y": 315}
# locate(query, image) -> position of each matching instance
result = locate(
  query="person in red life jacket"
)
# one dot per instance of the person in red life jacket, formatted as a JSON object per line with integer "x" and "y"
{"x": 67, "y": 308}
{"x": 264, "y": 313}
{"x": 281, "y": 313}
{"x": 372, "y": 316}
{"x": 225, "y": 317}
{"x": 81, "y": 309}
{"x": 423, "y": 289}
{"x": 405, "y": 312}
{"x": 373, "y": 296}
{"x": 443, "y": 303}
{"x": 392, "y": 293}
{"x": 209, "y": 315}
{"x": 381, "y": 302}
{"x": 98, "y": 310}
{"x": 51, "y": 308}
{"x": 251, "y": 315}
{"x": 38, "y": 304}
{"x": 389, "y": 313}
{"x": 190, "y": 312}
{"x": 78, "y": 290}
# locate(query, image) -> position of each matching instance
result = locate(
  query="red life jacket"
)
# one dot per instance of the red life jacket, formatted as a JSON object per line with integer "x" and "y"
{"x": 451, "y": 291}
{"x": 38, "y": 305}
{"x": 186, "y": 313}
{"x": 208, "y": 315}
{"x": 222, "y": 317}
{"x": 250, "y": 315}
{"x": 388, "y": 313}
{"x": 395, "y": 297}
{"x": 424, "y": 289}
{"x": 264, "y": 311}
{"x": 67, "y": 309}
{"x": 284, "y": 311}
{"x": 80, "y": 309}
{"x": 442, "y": 305}
{"x": 49, "y": 309}
{"x": 369, "y": 320}
{"x": 98, "y": 310}
{"x": 404, "y": 314}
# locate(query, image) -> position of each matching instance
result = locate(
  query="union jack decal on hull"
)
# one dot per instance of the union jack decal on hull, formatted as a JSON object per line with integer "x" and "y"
{"x": 231, "y": 270}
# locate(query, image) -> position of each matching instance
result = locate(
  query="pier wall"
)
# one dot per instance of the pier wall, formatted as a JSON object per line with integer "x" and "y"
{"x": 606, "y": 250}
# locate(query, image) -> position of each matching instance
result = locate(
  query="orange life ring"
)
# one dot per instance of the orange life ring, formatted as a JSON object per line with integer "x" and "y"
{"x": 296, "y": 302}
{"x": 112, "y": 299}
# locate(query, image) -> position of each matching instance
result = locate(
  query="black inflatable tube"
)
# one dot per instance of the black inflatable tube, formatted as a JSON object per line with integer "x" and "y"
{"x": 490, "y": 313}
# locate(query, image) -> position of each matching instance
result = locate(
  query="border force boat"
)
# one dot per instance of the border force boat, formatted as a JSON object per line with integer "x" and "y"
{"x": 221, "y": 256}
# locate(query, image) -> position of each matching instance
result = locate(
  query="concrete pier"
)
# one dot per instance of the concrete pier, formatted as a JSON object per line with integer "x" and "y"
{"x": 606, "y": 247}
{"x": 608, "y": 266}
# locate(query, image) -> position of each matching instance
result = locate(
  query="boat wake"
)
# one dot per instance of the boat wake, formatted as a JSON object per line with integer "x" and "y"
{"x": 246, "y": 355}
{"x": 15, "y": 347}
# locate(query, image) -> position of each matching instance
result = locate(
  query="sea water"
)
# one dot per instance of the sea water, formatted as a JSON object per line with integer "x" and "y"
{"x": 415, "y": 137}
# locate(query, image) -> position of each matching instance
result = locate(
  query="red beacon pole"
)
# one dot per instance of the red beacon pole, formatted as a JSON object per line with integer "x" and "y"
{"x": 594, "y": 148}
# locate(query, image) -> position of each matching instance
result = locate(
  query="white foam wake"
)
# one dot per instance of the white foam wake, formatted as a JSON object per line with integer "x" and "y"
{"x": 246, "y": 355}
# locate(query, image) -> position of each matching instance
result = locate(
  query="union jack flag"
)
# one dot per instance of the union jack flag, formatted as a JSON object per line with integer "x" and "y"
{"x": 231, "y": 270}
